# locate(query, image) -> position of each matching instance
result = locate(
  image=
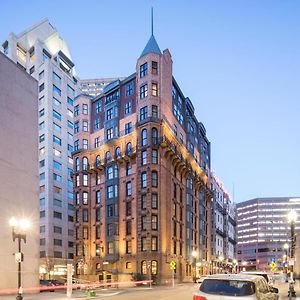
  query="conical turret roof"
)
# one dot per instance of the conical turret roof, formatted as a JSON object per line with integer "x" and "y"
{"x": 151, "y": 47}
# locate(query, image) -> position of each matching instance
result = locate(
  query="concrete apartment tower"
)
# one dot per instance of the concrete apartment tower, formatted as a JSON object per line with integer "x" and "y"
{"x": 264, "y": 234}
{"x": 94, "y": 87}
{"x": 18, "y": 173}
{"x": 141, "y": 176}
{"x": 43, "y": 53}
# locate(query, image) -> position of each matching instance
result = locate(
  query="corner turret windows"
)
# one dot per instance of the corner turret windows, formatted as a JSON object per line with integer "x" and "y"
{"x": 154, "y": 67}
{"x": 144, "y": 138}
{"x": 154, "y": 111}
{"x": 143, "y": 113}
{"x": 154, "y": 89}
{"x": 143, "y": 70}
{"x": 85, "y": 163}
{"x": 154, "y": 134}
{"x": 143, "y": 91}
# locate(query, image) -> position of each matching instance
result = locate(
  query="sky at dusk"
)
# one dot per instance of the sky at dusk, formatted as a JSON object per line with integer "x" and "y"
{"x": 238, "y": 61}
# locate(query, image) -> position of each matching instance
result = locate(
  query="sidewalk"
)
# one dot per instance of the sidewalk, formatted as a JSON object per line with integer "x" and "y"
{"x": 284, "y": 288}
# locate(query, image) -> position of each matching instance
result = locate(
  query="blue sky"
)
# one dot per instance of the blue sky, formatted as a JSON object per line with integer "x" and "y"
{"x": 238, "y": 61}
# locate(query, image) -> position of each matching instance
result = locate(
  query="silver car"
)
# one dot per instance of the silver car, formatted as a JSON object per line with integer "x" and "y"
{"x": 237, "y": 287}
{"x": 268, "y": 277}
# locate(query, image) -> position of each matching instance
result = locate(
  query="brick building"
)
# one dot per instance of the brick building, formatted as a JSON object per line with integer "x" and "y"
{"x": 141, "y": 177}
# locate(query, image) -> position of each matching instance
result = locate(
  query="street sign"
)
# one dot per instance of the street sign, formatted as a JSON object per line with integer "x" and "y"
{"x": 172, "y": 265}
{"x": 273, "y": 266}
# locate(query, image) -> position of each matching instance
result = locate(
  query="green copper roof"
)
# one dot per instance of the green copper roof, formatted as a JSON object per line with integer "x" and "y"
{"x": 151, "y": 47}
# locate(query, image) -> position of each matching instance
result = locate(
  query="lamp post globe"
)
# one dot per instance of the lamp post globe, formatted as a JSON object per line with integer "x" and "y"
{"x": 194, "y": 253}
{"x": 292, "y": 216}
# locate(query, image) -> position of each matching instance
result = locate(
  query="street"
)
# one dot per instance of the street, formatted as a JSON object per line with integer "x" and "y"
{"x": 180, "y": 292}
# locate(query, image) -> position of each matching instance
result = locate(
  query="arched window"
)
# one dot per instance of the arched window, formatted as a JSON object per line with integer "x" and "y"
{"x": 144, "y": 267}
{"x": 154, "y": 134}
{"x": 98, "y": 161}
{"x": 128, "y": 149}
{"x": 77, "y": 164}
{"x": 117, "y": 152}
{"x": 85, "y": 163}
{"x": 154, "y": 265}
{"x": 107, "y": 156}
{"x": 144, "y": 138}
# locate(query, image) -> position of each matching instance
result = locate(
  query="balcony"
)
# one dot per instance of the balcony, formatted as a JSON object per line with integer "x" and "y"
{"x": 99, "y": 165}
{"x": 220, "y": 232}
{"x": 231, "y": 220}
{"x": 184, "y": 160}
{"x": 89, "y": 168}
{"x": 231, "y": 240}
{"x": 130, "y": 154}
{"x": 148, "y": 119}
{"x": 219, "y": 208}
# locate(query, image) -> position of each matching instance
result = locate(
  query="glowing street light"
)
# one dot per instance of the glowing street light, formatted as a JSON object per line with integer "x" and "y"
{"x": 194, "y": 255}
{"x": 18, "y": 232}
{"x": 292, "y": 216}
{"x": 235, "y": 265}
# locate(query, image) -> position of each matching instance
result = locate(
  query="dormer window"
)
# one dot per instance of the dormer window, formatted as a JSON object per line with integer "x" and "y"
{"x": 143, "y": 70}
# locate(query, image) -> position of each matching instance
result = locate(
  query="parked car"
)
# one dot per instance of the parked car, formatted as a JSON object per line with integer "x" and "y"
{"x": 199, "y": 279}
{"x": 237, "y": 287}
{"x": 46, "y": 284}
{"x": 266, "y": 276}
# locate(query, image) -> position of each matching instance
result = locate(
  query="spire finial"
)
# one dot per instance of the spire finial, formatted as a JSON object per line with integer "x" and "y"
{"x": 151, "y": 20}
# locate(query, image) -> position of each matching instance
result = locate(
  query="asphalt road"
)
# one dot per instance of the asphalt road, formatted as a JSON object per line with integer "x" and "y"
{"x": 180, "y": 292}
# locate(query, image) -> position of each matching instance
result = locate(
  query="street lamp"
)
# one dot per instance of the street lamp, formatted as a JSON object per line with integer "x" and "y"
{"x": 234, "y": 261}
{"x": 194, "y": 255}
{"x": 292, "y": 217}
{"x": 221, "y": 259}
{"x": 21, "y": 225}
{"x": 244, "y": 264}
{"x": 286, "y": 247}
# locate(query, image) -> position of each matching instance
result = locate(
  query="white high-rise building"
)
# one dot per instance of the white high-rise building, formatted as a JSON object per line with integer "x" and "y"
{"x": 94, "y": 87}
{"x": 223, "y": 229}
{"x": 44, "y": 54}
